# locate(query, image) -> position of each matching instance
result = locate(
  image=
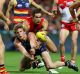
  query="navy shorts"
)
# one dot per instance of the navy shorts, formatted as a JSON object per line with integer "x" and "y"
{"x": 41, "y": 49}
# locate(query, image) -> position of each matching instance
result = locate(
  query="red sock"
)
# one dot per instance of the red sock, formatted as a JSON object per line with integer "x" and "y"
{"x": 3, "y": 70}
{"x": 63, "y": 58}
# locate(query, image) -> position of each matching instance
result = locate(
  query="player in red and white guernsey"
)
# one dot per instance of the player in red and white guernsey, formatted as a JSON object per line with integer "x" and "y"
{"x": 67, "y": 26}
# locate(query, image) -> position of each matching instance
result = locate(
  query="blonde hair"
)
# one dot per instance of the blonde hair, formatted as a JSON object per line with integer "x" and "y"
{"x": 17, "y": 26}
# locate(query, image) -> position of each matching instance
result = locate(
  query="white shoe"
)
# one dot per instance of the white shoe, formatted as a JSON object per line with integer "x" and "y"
{"x": 41, "y": 64}
{"x": 60, "y": 67}
{"x": 53, "y": 71}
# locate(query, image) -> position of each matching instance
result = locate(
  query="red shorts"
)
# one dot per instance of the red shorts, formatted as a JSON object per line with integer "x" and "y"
{"x": 68, "y": 26}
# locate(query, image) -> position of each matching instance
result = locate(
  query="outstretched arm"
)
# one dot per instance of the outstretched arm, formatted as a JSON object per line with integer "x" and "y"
{"x": 40, "y": 7}
{"x": 21, "y": 48}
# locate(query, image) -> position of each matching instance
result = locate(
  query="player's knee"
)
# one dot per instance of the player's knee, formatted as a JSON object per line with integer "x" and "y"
{"x": 55, "y": 50}
{"x": 62, "y": 43}
{"x": 74, "y": 41}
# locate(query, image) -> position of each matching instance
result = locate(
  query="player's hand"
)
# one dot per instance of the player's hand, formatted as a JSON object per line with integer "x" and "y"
{"x": 51, "y": 14}
{"x": 8, "y": 21}
{"x": 32, "y": 51}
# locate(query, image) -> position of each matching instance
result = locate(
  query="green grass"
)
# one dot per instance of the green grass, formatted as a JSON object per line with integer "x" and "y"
{"x": 12, "y": 60}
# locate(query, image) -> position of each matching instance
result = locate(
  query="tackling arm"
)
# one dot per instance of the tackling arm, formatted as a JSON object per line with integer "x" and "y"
{"x": 45, "y": 25}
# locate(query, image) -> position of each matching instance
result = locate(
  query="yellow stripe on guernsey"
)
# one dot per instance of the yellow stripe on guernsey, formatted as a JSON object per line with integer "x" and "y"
{"x": 18, "y": 20}
{"x": 20, "y": 12}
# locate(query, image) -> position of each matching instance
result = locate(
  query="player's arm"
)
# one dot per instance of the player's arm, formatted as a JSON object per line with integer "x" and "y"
{"x": 45, "y": 26}
{"x": 2, "y": 16}
{"x": 75, "y": 5}
{"x": 10, "y": 6}
{"x": 40, "y": 7}
{"x": 19, "y": 46}
{"x": 32, "y": 38}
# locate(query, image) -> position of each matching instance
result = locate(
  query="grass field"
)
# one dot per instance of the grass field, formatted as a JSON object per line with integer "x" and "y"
{"x": 12, "y": 60}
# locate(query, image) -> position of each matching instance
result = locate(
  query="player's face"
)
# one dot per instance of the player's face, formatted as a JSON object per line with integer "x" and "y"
{"x": 20, "y": 33}
{"x": 37, "y": 17}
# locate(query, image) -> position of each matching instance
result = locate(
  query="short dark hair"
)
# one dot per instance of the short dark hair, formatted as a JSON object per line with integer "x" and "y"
{"x": 36, "y": 11}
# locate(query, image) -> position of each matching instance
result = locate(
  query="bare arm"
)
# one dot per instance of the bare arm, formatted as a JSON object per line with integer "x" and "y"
{"x": 75, "y": 5}
{"x": 32, "y": 39}
{"x": 40, "y": 7}
{"x": 10, "y": 5}
{"x": 19, "y": 46}
{"x": 45, "y": 25}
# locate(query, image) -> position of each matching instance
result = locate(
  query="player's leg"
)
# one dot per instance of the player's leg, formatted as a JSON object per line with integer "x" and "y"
{"x": 63, "y": 35}
{"x": 52, "y": 65}
{"x": 51, "y": 45}
{"x": 48, "y": 62}
{"x": 74, "y": 46}
{"x": 2, "y": 67}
